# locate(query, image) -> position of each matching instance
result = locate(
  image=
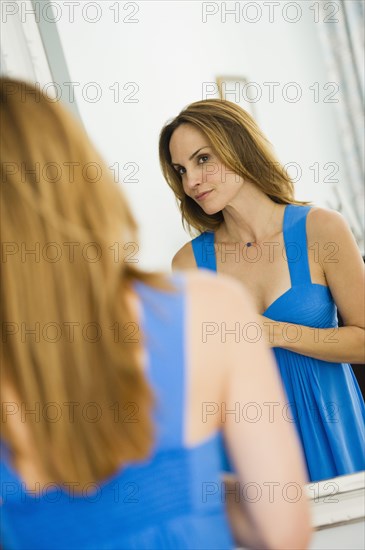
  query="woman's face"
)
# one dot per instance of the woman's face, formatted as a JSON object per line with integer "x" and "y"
{"x": 204, "y": 177}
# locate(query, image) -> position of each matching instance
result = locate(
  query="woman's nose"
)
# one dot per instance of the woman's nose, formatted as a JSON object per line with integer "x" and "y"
{"x": 193, "y": 178}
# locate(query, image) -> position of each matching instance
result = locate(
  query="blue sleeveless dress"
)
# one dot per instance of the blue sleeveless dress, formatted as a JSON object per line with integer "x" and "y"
{"x": 173, "y": 499}
{"x": 324, "y": 399}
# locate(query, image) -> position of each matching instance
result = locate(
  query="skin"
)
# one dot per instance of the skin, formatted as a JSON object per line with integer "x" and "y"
{"x": 334, "y": 258}
{"x": 226, "y": 373}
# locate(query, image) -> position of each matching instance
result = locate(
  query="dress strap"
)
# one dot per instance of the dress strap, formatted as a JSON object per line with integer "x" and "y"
{"x": 295, "y": 238}
{"x": 204, "y": 252}
{"x": 163, "y": 322}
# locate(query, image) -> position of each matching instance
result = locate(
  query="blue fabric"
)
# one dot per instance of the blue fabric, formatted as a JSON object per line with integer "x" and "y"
{"x": 171, "y": 500}
{"x": 324, "y": 398}
{"x": 203, "y": 248}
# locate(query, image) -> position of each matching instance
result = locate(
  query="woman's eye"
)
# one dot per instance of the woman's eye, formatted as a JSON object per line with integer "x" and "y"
{"x": 179, "y": 170}
{"x": 203, "y": 158}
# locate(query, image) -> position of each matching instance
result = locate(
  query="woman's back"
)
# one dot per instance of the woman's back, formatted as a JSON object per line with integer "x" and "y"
{"x": 175, "y": 498}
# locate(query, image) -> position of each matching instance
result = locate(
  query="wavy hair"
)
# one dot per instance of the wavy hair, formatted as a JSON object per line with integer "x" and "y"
{"x": 240, "y": 145}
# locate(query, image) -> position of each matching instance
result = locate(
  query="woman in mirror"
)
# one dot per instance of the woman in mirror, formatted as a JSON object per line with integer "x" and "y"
{"x": 299, "y": 263}
{"x": 112, "y": 434}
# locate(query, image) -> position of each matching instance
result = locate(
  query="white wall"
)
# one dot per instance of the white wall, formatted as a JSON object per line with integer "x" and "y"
{"x": 169, "y": 53}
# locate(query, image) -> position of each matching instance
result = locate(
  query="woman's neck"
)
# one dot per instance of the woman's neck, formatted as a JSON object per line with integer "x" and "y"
{"x": 251, "y": 217}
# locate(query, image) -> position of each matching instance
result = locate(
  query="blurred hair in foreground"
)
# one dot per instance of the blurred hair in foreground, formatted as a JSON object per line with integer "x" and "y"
{"x": 60, "y": 201}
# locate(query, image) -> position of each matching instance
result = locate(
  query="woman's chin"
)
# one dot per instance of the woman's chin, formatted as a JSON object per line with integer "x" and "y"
{"x": 211, "y": 211}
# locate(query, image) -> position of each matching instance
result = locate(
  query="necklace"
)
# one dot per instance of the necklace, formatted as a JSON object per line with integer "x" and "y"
{"x": 255, "y": 243}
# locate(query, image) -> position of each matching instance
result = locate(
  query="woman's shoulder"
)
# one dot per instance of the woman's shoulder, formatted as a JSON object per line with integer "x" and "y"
{"x": 323, "y": 223}
{"x": 217, "y": 294}
{"x": 184, "y": 258}
{"x": 330, "y": 237}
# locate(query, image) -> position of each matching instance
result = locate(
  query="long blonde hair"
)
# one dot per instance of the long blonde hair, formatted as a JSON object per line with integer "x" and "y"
{"x": 69, "y": 243}
{"x": 240, "y": 145}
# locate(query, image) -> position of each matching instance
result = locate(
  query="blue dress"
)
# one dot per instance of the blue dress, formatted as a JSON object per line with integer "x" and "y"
{"x": 172, "y": 500}
{"x": 324, "y": 399}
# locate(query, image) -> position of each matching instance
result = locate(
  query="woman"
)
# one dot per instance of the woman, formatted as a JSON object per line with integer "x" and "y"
{"x": 297, "y": 261}
{"x": 112, "y": 434}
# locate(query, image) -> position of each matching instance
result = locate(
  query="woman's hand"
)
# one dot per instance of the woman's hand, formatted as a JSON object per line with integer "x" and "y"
{"x": 271, "y": 330}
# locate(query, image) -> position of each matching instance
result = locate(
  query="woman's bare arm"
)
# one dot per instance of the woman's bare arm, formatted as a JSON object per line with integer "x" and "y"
{"x": 268, "y": 508}
{"x": 334, "y": 247}
{"x": 263, "y": 445}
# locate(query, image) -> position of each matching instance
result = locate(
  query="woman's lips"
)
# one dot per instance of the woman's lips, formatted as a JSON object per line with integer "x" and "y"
{"x": 202, "y": 196}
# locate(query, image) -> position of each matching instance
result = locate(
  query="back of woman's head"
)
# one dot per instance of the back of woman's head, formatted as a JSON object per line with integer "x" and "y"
{"x": 66, "y": 233}
{"x": 240, "y": 145}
